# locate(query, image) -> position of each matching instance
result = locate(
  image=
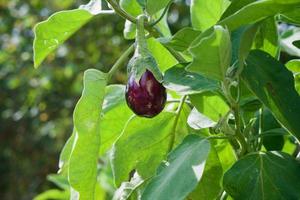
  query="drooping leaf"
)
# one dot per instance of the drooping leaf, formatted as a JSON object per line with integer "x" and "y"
{"x": 271, "y": 175}
{"x": 184, "y": 82}
{"x": 273, "y": 84}
{"x": 257, "y": 11}
{"x": 181, "y": 174}
{"x": 59, "y": 27}
{"x": 205, "y": 14}
{"x": 86, "y": 117}
{"x": 212, "y": 54}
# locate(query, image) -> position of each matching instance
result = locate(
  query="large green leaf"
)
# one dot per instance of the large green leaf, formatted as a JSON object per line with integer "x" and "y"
{"x": 273, "y": 84}
{"x": 184, "y": 82}
{"x": 205, "y": 14}
{"x": 54, "y": 31}
{"x": 84, "y": 155}
{"x": 59, "y": 27}
{"x": 209, "y": 186}
{"x": 212, "y": 54}
{"x": 142, "y": 146}
{"x": 144, "y": 143}
{"x": 115, "y": 116}
{"x": 180, "y": 176}
{"x": 264, "y": 176}
{"x": 257, "y": 11}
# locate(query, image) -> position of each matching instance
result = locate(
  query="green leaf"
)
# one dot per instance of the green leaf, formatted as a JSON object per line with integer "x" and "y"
{"x": 268, "y": 176}
{"x": 235, "y": 6}
{"x": 115, "y": 116}
{"x": 84, "y": 156}
{"x": 181, "y": 40}
{"x": 273, "y": 84}
{"x": 184, "y": 82}
{"x": 292, "y": 17}
{"x": 269, "y": 127}
{"x": 210, "y": 104}
{"x": 256, "y": 11}
{"x": 212, "y": 54}
{"x": 209, "y": 186}
{"x": 163, "y": 57}
{"x": 267, "y": 37}
{"x": 142, "y": 146}
{"x": 294, "y": 66}
{"x": 53, "y": 194}
{"x": 180, "y": 176}
{"x": 205, "y": 14}
{"x": 242, "y": 40}
{"x": 153, "y": 6}
{"x": 65, "y": 155}
{"x": 56, "y": 30}
{"x": 197, "y": 120}
{"x": 131, "y": 6}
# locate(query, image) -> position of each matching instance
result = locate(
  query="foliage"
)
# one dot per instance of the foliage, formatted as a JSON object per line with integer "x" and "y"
{"x": 225, "y": 74}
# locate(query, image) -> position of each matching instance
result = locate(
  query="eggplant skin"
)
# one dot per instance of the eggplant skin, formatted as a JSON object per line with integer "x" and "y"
{"x": 147, "y": 98}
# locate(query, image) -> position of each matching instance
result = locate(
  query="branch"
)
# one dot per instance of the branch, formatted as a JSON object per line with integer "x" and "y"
{"x": 120, "y": 61}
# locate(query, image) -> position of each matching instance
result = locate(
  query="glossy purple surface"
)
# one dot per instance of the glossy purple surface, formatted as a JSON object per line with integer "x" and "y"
{"x": 146, "y": 98}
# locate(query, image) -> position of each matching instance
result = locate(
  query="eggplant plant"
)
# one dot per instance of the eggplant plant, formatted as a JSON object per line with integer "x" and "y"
{"x": 208, "y": 112}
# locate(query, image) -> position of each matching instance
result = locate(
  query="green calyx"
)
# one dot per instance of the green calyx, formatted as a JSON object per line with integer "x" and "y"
{"x": 142, "y": 58}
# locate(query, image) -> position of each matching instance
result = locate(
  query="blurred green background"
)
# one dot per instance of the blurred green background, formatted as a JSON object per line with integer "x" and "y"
{"x": 36, "y": 105}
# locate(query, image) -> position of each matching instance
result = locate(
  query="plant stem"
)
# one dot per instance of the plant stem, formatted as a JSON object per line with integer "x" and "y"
{"x": 238, "y": 133}
{"x": 176, "y": 55}
{"x": 120, "y": 61}
{"x": 173, "y": 130}
{"x": 120, "y": 11}
{"x": 217, "y": 137}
